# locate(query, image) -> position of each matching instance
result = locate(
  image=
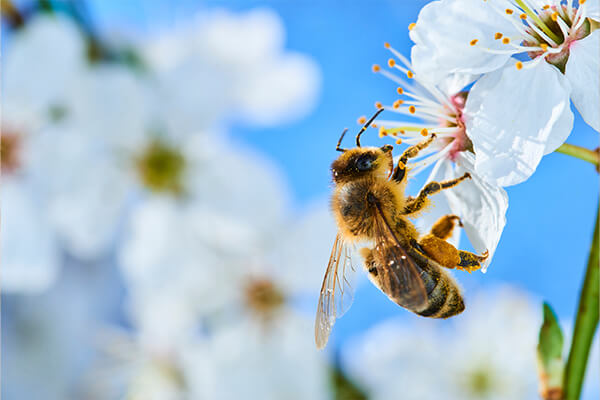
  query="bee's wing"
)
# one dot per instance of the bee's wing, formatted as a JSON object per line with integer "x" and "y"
{"x": 397, "y": 273}
{"x": 336, "y": 292}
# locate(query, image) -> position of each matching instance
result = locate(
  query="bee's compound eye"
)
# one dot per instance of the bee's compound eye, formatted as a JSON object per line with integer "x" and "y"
{"x": 364, "y": 163}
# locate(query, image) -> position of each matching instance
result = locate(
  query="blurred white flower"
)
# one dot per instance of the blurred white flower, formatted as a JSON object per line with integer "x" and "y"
{"x": 32, "y": 98}
{"x": 439, "y": 109}
{"x": 520, "y": 108}
{"x": 489, "y": 352}
{"x": 223, "y": 64}
{"x": 249, "y": 361}
{"x": 30, "y": 256}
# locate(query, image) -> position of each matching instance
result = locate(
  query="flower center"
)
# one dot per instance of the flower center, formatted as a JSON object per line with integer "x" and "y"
{"x": 561, "y": 21}
{"x": 479, "y": 382}
{"x": 160, "y": 168}
{"x": 10, "y": 160}
{"x": 546, "y": 32}
{"x": 263, "y": 297}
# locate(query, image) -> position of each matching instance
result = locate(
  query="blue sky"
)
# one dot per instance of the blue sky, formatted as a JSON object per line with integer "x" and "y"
{"x": 550, "y": 218}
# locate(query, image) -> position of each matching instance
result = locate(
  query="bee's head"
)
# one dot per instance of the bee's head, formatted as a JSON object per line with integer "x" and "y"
{"x": 361, "y": 162}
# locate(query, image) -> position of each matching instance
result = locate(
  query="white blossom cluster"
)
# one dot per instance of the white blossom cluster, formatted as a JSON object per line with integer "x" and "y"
{"x": 105, "y": 160}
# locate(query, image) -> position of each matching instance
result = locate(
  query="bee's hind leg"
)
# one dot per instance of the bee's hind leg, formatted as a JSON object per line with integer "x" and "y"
{"x": 435, "y": 246}
{"x": 470, "y": 262}
{"x": 445, "y": 225}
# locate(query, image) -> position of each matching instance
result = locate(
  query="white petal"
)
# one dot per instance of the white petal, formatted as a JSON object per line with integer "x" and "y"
{"x": 88, "y": 190}
{"x": 513, "y": 116}
{"x": 480, "y": 205}
{"x": 583, "y": 72}
{"x": 593, "y": 9}
{"x": 443, "y": 33}
{"x": 440, "y": 204}
{"x": 42, "y": 62}
{"x": 30, "y": 256}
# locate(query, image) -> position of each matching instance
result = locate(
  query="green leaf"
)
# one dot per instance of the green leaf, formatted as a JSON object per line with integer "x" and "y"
{"x": 549, "y": 351}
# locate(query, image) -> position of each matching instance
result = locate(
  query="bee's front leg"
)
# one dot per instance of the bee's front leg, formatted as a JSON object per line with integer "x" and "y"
{"x": 400, "y": 172}
{"x": 418, "y": 203}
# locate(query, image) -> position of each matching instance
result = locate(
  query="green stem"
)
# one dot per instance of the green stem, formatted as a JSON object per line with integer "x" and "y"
{"x": 538, "y": 21}
{"x": 586, "y": 322}
{"x": 580, "y": 152}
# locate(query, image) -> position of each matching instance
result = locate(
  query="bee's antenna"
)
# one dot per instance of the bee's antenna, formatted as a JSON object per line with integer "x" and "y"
{"x": 338, "y": 148}
{"x": 364, "y": 128}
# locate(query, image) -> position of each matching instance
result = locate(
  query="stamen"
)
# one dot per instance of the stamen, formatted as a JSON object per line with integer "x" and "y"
{"x": 537, "y": 20}
{"x": 400, "y": 90}
{"x": 498, "y": 35}
{"x": 519, "y": 65}
{"x": 412, "y": 109}
{"x": 397, "y": 103}
{"x": 546, "y": 7}
{"x": 378, "y": 105}
{"x": 361, "y": 120}
{"x": 523, "y": 16}
{"x": 505, "y": 40}
{"x": 409, "y": 74}
{"x": 554, "y": 16}
{"x": 563, "y": 27}
{"x": 386, "y": 45}
{"x": 399, "y": 141}
{"x": 509, "y": 11}
{"x": 424, "y": 132}
{"x": 411, "y": 26}
{"x": 376, "y": 68}
{"x": 391, "y": 62}
{"x": 473, "y": 42}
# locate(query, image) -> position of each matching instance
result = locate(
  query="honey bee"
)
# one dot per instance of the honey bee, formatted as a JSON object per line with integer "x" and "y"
{"x": 369, "y": 205}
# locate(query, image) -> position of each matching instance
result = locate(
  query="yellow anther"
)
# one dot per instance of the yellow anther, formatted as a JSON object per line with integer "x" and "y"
{"x": 399, "y": 141}
{"x": 473, "y": 42}
{"x": 523, "y": 16}
{"x": 386, "y": 45}
{"x": 505, "y": 40}
{"x": 400, "y": 90}
{"x": 424, "y": 132}
{"x": 391, "y": 62}
{"x": 402, "y": 131}
{"x": 378, "y": 105}
{"x": 498, "y": 35}
{"x": 412, "y": 109}
{"x": 582, "y": 2}
{"x": 376, "y": 68}
{"x": 544, "y": 46}
{"x": 554, "y": 16}
{"x": 546, "y": 7}
{"x": 397, "y": 103}
{"x": 373, "y": 125}
{"x": 382, "y": 132}
{"x": 509, "y": 11}
{"x": 519, "y": 65}
{"x": 361, "y": 120}
{"x": 410, "y": 74}
{"x": 411, "y": 26}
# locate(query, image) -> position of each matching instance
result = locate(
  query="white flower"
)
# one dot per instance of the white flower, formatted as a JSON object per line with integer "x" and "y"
{"x": 92, "y": 162}
{"x": 248, "y": 361}
{"x": 440, "y": 110}
{"x": 222, "y": 64}
{"x": 489, "y": 352}
{"x": 522, "y": 108}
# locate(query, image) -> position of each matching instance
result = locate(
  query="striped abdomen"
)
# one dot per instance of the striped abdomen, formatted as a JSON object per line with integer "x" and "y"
{"x": 444, "y": 299}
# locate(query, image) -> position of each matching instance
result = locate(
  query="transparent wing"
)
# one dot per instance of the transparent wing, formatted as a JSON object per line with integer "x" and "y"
{"x": 337, "y": 292}
{"x": 397, "y": 273}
